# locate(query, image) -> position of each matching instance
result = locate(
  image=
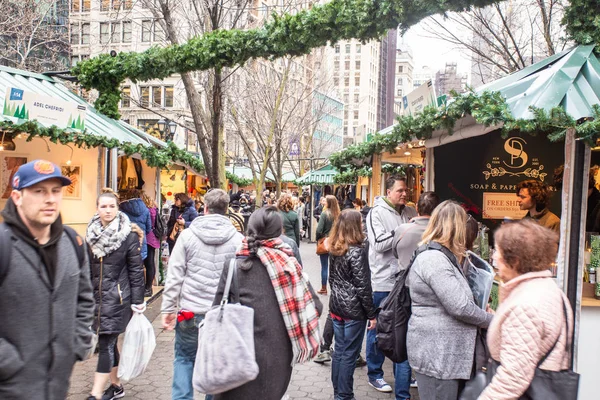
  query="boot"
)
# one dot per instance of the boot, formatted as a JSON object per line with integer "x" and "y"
{"x": 323, "y": 290}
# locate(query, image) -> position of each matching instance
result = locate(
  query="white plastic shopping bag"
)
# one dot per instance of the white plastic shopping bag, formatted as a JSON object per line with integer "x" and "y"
{"x": 138, "y": 347}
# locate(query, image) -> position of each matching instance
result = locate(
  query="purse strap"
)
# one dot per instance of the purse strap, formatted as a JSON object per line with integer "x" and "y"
{"x": 230, "y": 273}
{"x": 558, "y": 338}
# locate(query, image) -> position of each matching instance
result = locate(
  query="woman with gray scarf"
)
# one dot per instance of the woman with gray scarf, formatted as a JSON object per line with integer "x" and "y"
{"x": 118, "y": 281}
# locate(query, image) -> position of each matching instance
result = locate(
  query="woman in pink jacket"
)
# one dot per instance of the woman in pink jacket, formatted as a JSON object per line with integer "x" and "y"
{"x": 530, "y": 319}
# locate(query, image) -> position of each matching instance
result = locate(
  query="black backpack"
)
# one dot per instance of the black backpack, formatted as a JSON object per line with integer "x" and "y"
{"x": 158, "y": 226}
{"x": 395, "y": 310}
{"x": 6, "y": 248}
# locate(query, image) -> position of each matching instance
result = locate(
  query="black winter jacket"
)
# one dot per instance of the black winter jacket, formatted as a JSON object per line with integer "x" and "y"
{"x": 122, "y": 285}
{"x": 350, "y": 281}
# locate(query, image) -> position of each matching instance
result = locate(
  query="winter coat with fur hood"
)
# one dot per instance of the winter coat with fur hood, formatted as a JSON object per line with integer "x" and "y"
{"x": 118, "y": 280}
{"x": 528, "y": 322}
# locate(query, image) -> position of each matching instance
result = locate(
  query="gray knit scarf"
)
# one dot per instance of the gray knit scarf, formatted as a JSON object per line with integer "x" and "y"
{"x": 105, "y": 240}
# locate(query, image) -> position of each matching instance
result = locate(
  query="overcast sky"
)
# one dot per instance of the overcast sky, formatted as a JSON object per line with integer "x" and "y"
{"x": 434, "y": 52}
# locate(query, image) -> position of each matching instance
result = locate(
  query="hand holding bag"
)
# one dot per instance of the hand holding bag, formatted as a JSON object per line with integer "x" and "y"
{"x": 225, "y": 358}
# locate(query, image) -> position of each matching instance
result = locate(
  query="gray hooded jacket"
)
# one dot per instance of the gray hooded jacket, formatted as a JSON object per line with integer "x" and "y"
{"x": 382, "y": 222}
{"x": 197, "y": 262}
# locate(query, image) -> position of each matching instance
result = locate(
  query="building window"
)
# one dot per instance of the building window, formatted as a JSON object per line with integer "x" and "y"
{"x": 74, "y": 60}
{"x": 357, "y": 81}
{"x": 347, "y": 65}
{"x": 74, "y": 33}
{"x": 400, "y": 68}
{"x": 145, "y": 96}
{"x": 104, "y": 32}
{"x": 336, "y": 81}
{"x": 85, "y": 33}
{"x": 157, "y": 96}
{"x": 337, "y": 49}
{"x": 358, "y": 48}
{"x": 80, "y": 5}
{"x": 126, "y": 97}
{"x": 85, "y": 5}
{"x": 159, "y": 34}
{"x": 127, "y": 4}
{"x": 148, "y": 125}
{"x": 336, "y": 65}
{"x": 356, "y": 97}
{"x": 346, "y": 98}
{"x": 126, "y": 32}
{"x": 348, "y": 49}
{"x": 345, "y": 114}
{"x": 115, "y": 36}
{"x": 168, "y": 96}
{"x": 357, "y": 62}
{"x": 346, "y": 81}
{"x": 146, "y": 30}
{"x": 104, "y": 5}
{"x": 399, "y": 92}
{"x": 400, "y": 81}
{"x": 356, "y": 114}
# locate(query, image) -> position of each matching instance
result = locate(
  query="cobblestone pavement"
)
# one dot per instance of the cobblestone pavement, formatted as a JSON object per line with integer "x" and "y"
{"x": 309, "y": 381}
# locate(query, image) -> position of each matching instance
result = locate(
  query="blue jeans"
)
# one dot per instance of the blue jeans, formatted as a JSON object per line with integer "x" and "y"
{"x": 324, "y": 268}
{"x": 375, "y": 359}
{"x": 348, "y": 341}
{"x": 186, "y": 345}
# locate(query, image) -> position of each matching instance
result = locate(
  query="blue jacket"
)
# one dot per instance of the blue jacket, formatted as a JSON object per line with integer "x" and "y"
{"x": 139, "y": 214}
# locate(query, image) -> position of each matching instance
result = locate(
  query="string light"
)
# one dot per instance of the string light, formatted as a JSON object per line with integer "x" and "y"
{"x": 71, "y": 157}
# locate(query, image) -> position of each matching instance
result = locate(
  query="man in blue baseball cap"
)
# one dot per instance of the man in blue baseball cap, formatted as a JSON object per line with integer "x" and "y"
{"x": 46, "y": 302}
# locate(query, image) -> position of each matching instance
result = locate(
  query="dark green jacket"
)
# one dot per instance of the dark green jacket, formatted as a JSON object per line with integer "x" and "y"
{"x": 291, "y": 225}
{"x": 325, "y": 224}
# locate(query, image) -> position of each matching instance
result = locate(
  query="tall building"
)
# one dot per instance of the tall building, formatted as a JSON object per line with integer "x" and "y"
{"x": 363, "y": 75}
{"x": 328, "y": 133}
{"x": 449, "y": 79}
{"x": 404, "y": 72}
{"x": 387, "y": 70}
{"x": 101, "y": 26}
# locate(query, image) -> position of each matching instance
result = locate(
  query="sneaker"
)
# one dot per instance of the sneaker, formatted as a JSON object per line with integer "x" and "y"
{"x": 380, "y": 385}
{"x": 91, "y": 398}
{"x": 360, "y": 361}
{"x": 148, "y": 293}
{"x": 323, "y": 357}
{"x": 413, "y": 383}
{"x": 113, "y": 392}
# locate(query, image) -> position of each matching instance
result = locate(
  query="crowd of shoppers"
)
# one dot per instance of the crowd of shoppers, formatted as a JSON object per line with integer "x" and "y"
{"x": 111, "y": 270}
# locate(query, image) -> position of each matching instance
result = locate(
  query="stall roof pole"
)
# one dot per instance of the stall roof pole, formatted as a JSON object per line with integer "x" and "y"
{"x": 570, "y": 258}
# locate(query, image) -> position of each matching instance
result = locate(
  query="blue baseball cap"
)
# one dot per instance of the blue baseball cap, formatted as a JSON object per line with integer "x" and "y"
{"x": 37, "y": 171}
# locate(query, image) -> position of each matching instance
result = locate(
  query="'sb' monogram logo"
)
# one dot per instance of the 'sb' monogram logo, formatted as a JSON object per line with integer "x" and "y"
{"x": 515, "y": 147}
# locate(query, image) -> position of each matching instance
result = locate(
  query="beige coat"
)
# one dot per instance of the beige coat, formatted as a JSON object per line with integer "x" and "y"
{"x": 528, "y": 322}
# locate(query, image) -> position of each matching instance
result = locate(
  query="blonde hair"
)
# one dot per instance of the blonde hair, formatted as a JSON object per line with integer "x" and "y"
{"x": 332, "y": 207}
{"x": 448, "y": 227}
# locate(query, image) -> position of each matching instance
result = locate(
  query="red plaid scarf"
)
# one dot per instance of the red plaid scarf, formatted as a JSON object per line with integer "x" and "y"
{"x": 295, "y": 301}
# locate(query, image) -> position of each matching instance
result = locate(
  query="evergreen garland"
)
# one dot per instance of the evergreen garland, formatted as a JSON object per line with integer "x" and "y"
{"x": 283, "y": 35}
{"x": 487, "y": 108}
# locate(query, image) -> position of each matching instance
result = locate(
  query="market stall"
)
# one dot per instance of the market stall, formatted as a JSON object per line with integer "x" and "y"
{"x": 524, "y": 126}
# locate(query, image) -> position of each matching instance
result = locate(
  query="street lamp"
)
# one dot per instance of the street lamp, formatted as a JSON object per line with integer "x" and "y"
{"x": 167, "y": 128}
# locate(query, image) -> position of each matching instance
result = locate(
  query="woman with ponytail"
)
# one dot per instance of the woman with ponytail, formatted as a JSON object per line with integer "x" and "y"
{"x": 118, "y": 279}
{"x": 286, "y": 310}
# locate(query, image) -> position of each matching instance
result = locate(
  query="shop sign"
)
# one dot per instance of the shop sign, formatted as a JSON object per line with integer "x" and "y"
{"x": 501, "y": 206}
{"x": 46, "y": 110}
{"x": 414, "y": 102}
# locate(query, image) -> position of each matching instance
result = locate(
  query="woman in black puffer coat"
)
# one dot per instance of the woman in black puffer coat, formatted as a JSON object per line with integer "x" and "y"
{"x": 183, "y": 213}
{"x": 351, "y": 300}
{"x": 117, "y": 274}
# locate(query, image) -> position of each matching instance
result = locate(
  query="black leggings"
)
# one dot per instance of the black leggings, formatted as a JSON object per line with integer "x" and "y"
{"x": 108, "y": 356}
{"x": 150, "y": 267}
{"x": 327, "y": 334}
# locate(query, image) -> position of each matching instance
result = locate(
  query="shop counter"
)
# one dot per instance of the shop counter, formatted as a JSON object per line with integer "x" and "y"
{"x": 588, "y": 348}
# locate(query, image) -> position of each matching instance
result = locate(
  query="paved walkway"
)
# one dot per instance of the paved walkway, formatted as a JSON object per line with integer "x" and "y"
{"x": 309, "y": 381}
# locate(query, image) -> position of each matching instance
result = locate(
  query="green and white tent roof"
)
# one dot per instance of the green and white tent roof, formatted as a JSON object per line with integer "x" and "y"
{"x": 321, "y": 176}
{"x": 570, "y": 79}
{"x": 95, "y": 123}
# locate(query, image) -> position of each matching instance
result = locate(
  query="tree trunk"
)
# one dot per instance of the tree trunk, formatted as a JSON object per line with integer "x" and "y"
{"x": 217, "y": 127}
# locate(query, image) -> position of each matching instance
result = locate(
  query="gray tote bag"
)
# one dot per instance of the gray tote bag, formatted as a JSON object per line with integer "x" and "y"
{"x": 225, "y": 358}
